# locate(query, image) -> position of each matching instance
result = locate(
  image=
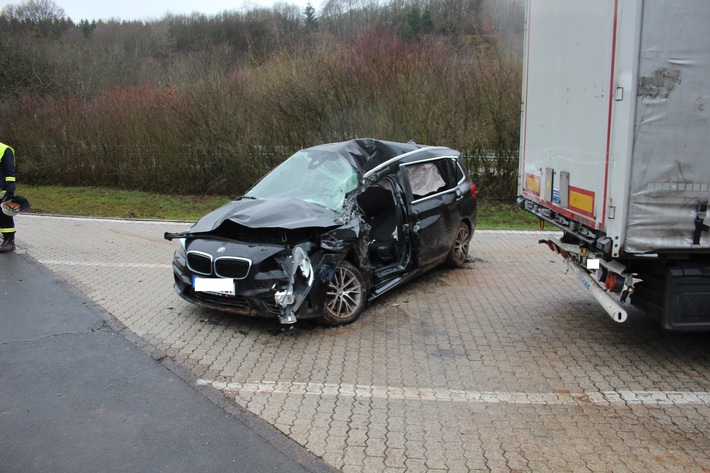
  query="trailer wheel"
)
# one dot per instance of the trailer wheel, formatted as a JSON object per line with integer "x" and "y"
{"x": 346, "y": 296}
{"x": 459, "y": 249}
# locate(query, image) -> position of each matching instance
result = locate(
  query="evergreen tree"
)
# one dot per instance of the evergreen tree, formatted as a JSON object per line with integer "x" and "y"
{"x": 413, "y": 24}
{"x": 427, "y": 23}
{"x": 309, "y": 16}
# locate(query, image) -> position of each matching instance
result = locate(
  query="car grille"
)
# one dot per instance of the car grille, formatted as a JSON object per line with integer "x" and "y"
{"x": 224, "y": 267}
{"x": 200, "y": 263}
{"x": 229, "y": 267}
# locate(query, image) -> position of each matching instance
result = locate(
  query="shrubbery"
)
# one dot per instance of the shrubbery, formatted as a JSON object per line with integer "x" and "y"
{"x": 123, "y": 105}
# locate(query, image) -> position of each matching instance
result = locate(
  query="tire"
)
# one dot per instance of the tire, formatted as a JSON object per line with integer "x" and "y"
{"x": 459, "y": 248}
{"x": 346, "y": 297}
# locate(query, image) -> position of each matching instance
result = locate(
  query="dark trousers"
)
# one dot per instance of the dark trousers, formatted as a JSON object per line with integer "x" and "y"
{"x": 7, "y": 226}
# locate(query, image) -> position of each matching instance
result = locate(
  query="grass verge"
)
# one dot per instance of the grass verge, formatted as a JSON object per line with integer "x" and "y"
{"x": 114, "y": 203}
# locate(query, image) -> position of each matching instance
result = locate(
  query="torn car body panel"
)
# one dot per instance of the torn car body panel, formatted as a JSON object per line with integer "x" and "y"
{"x": 331, "y": 222}
{"x": 298, "y": 267}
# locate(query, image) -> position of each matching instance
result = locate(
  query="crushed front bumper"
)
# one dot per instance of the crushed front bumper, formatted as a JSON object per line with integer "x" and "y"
{"x": 291, "y": 285}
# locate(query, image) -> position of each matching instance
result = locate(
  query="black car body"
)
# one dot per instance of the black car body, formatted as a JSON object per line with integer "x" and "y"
{"x": 327, "y": 230}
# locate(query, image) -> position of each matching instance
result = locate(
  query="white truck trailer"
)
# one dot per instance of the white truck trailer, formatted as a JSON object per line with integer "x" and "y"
{"x": 615, "y": 149}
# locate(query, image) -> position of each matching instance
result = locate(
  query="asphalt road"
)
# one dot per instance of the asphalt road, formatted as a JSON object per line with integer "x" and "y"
{"x": 77, "y": 396}
{"x": 507, "y": 364}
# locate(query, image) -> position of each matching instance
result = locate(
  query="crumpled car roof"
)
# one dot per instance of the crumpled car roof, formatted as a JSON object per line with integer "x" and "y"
{"x": 364, "y": 154}
{"x": 367, "y": 153}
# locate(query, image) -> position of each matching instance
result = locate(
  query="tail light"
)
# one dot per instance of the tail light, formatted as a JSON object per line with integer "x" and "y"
{"x": 614, "y": 283}
{"x": 474, "y": 191}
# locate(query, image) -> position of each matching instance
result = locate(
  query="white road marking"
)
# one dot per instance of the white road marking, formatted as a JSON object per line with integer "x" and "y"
{"x": 601, "y": 398}
{"x": 107, "y": 220}
{"x": 515, "y": 232}
{"x": 103, "y": 265}
{"x": 190, "y": 223}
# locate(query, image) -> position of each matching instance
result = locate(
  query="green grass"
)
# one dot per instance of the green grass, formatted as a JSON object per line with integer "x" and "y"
{"x": 498, "y": 214}
{"x": 113, "y": 203}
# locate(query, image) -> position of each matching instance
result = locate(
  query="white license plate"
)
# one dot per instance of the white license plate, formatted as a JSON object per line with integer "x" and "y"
{"x": 219, "y": 286}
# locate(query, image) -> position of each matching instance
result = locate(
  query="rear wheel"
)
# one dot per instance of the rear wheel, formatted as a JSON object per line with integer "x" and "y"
{"x": 346, "y": 295}
{"x": 459, "y": 249}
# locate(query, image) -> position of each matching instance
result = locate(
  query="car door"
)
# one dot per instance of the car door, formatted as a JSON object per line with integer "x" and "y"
{"x": 432, "y": 197}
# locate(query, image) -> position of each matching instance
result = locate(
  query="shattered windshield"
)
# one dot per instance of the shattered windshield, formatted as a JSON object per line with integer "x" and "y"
{"x": 318, "y": 177}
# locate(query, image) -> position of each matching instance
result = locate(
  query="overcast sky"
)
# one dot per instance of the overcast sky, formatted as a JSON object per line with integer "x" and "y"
{"x": 154, "y": 9}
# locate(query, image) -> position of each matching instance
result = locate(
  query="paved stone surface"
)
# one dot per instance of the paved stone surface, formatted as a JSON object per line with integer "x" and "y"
{"x": 505, "y": 365}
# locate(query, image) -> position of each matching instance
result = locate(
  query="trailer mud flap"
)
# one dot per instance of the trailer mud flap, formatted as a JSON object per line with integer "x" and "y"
{"x": 687, "y": 301}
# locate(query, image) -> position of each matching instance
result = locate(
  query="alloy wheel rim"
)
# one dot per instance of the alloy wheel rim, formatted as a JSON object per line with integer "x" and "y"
{"x": 344, "y": 294}
{"x": 461, "y": 245}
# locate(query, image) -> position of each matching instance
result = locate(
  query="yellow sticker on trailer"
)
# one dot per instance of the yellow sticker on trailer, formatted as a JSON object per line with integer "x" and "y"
{"x": 532, "y": 183}
{"x": 581, "y": 201}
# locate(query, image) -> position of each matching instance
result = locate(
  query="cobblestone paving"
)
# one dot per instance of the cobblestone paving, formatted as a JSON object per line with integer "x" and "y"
{"x": 505, "y": 365}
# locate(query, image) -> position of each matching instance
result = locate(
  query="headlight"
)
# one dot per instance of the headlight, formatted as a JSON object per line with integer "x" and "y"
{"x": 181, "y": 249}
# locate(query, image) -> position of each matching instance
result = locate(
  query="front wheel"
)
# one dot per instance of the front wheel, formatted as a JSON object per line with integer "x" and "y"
{"x": 459, "y": 249}
{"x": 346, "y": 295}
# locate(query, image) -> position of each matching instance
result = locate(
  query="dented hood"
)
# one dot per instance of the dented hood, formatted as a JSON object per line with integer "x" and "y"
{"x": 276, "y": 213}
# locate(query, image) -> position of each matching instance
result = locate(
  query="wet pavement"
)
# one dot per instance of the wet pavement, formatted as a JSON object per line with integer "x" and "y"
{"x": 507, "y": 364}
{"x": 78, "y": 395}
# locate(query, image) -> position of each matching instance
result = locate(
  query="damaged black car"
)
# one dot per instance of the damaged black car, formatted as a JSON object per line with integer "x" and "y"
{"x": 331, "y": 228}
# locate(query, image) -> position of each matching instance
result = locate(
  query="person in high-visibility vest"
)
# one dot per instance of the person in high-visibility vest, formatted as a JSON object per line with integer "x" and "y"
{"x": 7, "y": 192}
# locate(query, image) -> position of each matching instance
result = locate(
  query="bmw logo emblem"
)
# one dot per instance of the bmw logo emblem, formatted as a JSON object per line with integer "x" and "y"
{"x": 221, "y": 249}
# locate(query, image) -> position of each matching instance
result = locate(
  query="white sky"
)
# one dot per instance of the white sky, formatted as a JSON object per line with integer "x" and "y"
{"x": 154, "y": 9}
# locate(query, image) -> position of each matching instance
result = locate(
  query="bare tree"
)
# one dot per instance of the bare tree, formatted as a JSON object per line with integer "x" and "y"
{"x": 35, "y": 12}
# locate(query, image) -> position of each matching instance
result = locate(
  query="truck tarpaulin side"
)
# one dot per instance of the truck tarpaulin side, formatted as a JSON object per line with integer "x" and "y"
{"x": 670, "y": 170}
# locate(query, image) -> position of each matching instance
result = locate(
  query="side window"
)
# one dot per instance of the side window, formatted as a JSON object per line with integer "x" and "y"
{"x": 458, "y": 172}
{"x": 425, "y": 179}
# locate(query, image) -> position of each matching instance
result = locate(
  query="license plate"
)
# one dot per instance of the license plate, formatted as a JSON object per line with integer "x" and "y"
{"x": 220, "y": 286}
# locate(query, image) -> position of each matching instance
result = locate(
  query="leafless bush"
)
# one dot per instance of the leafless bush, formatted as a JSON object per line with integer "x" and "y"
{"x": 140, "y": 106}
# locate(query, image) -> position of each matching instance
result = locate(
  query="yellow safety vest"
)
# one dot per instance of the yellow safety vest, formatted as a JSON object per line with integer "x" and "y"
{"x": 3, "y": 147}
